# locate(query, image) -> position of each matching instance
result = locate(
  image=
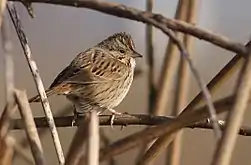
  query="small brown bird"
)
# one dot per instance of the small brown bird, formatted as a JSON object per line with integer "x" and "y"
{"x": 98, "y": 78}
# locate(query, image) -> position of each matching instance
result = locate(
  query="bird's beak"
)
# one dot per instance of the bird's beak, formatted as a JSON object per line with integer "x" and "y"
{"x": 136, "y": 55}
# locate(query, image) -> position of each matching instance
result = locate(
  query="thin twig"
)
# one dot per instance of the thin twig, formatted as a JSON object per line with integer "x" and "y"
{"x": 38, "y": 81}
{"x": 150, "y": 60}
{"x": 30, "y": 127}
{"x": 93, "y": 140}
{"x": 221, "y": 76}
{"x": 123, "y": 11}
{"x": 235, "y": 116}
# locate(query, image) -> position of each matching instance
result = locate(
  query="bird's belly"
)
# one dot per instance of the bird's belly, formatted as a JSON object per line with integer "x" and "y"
{"x": 106, "y": 95}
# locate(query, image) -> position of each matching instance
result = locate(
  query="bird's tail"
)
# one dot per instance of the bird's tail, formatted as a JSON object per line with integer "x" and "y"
{"x": 48, "y": 92}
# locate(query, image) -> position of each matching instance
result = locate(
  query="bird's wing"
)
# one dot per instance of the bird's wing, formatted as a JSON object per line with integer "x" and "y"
{"x": 91, "y": 66}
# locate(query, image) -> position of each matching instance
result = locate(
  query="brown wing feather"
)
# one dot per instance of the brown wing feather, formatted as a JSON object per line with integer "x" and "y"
{"x": 93, "y": 66}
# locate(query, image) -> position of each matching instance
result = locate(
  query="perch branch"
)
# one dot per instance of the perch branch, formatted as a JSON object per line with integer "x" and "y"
{"x": 134, "y": 119}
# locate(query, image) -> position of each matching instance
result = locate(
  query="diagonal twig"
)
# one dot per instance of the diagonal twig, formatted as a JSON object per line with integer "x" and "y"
{"x": 40, "y": 88}
{"x": 220, "y": 77}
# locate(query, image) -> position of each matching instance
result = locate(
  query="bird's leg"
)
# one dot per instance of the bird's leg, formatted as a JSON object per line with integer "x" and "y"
{"x": 74, "y": 117}
{"x": 114, "y": 113}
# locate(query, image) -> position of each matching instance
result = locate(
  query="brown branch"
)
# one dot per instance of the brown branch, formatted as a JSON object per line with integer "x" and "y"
{"x": 123, "y": 11}
{"x": 127, "y": 120}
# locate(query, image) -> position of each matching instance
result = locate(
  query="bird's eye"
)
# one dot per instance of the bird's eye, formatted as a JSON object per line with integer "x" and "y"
{"x": 122, "y": 51}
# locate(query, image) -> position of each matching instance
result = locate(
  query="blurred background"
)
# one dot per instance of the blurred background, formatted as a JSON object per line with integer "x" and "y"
{"x": 58, "y": 33}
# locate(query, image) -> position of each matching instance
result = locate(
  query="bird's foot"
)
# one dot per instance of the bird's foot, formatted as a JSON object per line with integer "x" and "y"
{"x": 114, "y": 113}
{"x": 75, "y": 117}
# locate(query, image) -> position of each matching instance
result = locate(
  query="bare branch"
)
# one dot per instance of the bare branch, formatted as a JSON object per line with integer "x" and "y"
{"x": 161, "y": 22}
{"x": 136, "y": 119}
{"x": 38, "y": 81}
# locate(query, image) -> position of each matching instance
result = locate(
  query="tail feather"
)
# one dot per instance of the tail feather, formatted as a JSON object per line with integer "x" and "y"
{"x": 37, "y": 98}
